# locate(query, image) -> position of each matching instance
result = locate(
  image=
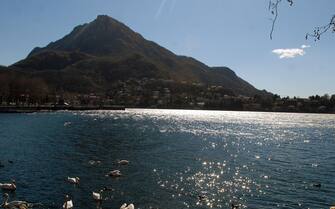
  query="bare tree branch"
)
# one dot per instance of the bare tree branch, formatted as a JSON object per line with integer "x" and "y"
{"x": 318, "y": 31}
{"x": 273, "y": 7}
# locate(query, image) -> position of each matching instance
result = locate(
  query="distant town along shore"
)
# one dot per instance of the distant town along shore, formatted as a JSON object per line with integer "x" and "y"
{"x": 165, "y": 94}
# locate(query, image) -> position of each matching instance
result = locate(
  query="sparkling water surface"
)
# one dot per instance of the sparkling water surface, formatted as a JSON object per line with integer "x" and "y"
{"x": 257, "y": 160}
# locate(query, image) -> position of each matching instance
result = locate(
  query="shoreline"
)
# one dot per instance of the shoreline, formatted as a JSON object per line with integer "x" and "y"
{"x": 228, "y": 110}
{"x": 27, "y": 109}
{"x": 18, "y": 109}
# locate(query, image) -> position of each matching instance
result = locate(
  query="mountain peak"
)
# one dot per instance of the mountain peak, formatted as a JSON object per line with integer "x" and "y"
{"x": 105, "y": 19}
{"x": 102, "y": 36}
{"x": 107, "y": 24}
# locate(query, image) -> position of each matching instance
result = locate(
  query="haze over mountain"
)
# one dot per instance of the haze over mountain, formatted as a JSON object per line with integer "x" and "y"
{"x": 96, "y": 54}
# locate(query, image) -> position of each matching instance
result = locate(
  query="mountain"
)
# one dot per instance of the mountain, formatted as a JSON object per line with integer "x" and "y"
{"x": 97, "y": 54}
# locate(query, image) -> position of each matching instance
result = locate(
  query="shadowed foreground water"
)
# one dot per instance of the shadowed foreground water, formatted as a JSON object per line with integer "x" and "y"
{"x": 259, "y": 160}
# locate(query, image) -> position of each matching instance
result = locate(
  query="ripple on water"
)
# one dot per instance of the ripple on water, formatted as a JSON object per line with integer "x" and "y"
{"x": 179, "y": 159}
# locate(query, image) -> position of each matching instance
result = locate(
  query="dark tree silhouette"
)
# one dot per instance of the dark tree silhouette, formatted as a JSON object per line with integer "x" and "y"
{"x": 317, "y": 32}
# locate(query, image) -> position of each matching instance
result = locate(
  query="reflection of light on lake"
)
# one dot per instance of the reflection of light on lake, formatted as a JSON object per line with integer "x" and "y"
{"x": 179, "y": 158}
{"x": 221, "y": 185}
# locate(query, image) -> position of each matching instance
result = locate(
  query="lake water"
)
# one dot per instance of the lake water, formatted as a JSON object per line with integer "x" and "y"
{"x": 257, "y": 160}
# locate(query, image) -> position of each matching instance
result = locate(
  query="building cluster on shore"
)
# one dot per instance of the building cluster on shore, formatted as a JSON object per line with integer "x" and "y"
{"x": 159, "y": 93}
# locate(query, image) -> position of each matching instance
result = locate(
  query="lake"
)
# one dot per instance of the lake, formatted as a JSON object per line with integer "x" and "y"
{"x": 258, "y": 160}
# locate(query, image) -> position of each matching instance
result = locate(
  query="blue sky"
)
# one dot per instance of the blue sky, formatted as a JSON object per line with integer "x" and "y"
{"x": 233, "y": 33}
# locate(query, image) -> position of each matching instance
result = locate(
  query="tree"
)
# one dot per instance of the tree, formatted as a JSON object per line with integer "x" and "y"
{"x": 332, "y": 99}
{"x": 275, "y": 97}
{"x": 4, "y": 87}
{"x": 317, "y": 32}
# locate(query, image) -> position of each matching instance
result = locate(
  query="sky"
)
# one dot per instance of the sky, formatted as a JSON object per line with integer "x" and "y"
{"x": 232, "y": 33}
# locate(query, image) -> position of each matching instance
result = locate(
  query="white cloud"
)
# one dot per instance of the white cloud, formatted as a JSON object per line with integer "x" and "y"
{"x": 160, "y": 8}
{"x": 289, "y": 53}
{"x": 305, "y": 46}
